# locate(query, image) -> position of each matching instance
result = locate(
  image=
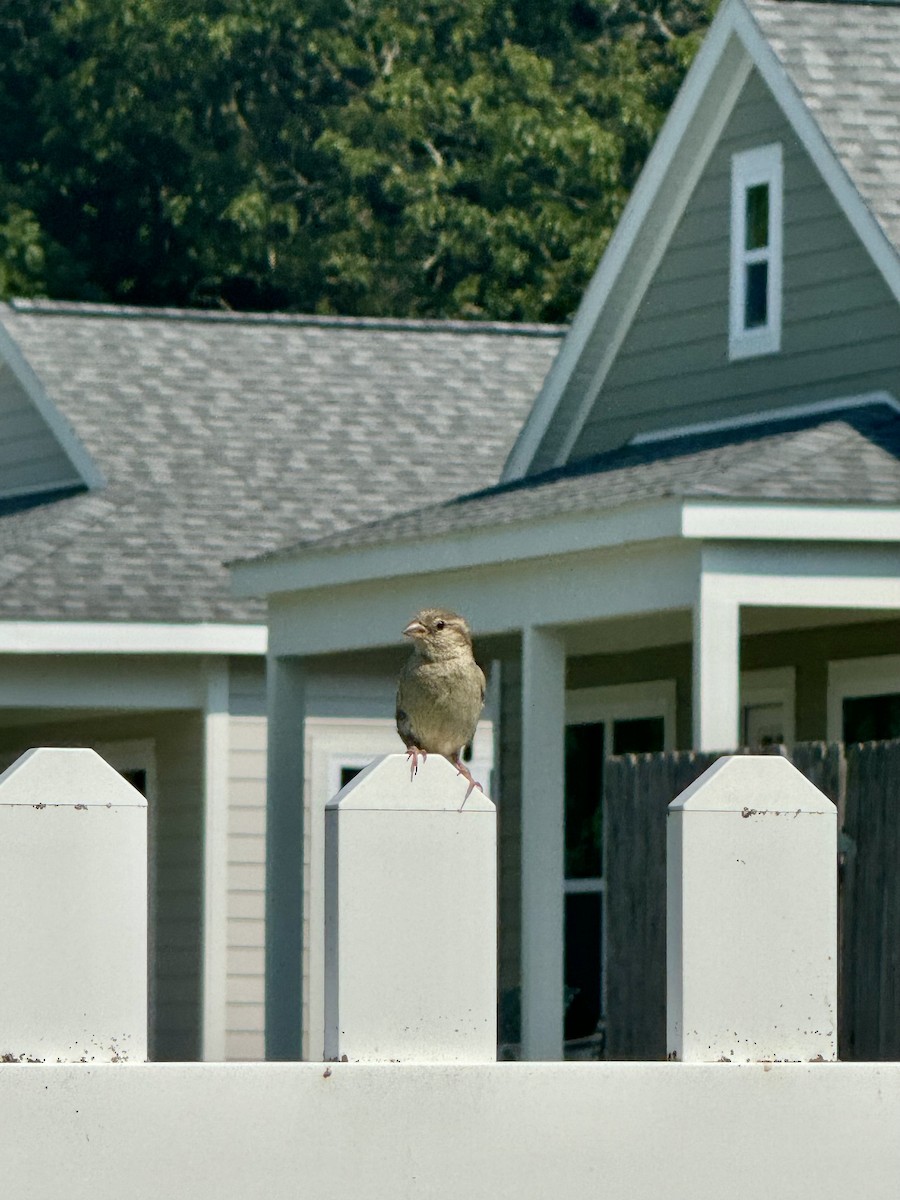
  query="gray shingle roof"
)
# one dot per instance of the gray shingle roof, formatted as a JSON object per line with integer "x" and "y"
{"x": 226, "y": 436}
{"x": 848, "y": 456}
{"x": 844, "y": 60}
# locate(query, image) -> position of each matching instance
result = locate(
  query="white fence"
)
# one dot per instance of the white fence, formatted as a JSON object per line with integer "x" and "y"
{"x": 411, "y": 950}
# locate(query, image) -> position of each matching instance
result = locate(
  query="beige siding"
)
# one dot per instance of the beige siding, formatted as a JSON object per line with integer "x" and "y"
{"x": 176, "y": 833}
{"x": 841, "y": 326}
{"x": 245, "y": 963}
{"x": 245, "y": 954}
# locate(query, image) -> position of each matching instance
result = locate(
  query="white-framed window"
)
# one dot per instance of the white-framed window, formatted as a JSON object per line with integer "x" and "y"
{"x": 600, "y": 721}
{"x": 768, "y": 707}
{"x": 756, "y": 252}
{"x": 864, "y": 699}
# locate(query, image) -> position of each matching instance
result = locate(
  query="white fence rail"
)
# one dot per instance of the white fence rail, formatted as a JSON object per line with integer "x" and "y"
{"x": 411, "y": 885}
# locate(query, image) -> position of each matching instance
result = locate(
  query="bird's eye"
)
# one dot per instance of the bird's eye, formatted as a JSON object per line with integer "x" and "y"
{"x": 439, "y": 624}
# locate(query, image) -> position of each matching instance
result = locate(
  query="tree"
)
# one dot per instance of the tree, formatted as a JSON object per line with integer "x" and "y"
{"x": 438, "y": 158}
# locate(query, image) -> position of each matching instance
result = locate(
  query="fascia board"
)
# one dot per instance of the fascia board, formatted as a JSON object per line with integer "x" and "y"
{"x": 62, "y": 431}
{"x": 572, "y": 533}
{"x": 109, "y": 637}
{"x": 627, "y": 233}
{"x": 726, "y": 520}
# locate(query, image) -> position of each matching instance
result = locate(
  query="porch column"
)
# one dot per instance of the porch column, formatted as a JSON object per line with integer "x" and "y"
{"x": 543, "y": 842}
{"x": 286, "y": 690}
{"x": 216, "y": 723}
{"x": 716, "y": 691}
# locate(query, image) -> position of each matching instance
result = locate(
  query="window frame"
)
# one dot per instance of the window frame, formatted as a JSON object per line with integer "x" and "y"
{"x": 606, "y": 705}
{"x": 771, "y": 686}
{"x": 856, "y": 678}
{"x": 751, "y": 168}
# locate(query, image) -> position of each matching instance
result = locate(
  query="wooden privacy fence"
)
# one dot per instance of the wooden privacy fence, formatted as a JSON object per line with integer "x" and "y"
{"x": 863, "y": 781}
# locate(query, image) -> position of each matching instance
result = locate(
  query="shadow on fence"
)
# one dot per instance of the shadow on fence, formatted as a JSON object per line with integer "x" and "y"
{"x": 864, "y": 783}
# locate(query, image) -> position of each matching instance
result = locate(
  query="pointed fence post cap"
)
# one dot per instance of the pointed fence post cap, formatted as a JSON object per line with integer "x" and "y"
{"x": 752, "y": 784}
{"x": 388, "y": 783}
{"x": 69, "y": 777}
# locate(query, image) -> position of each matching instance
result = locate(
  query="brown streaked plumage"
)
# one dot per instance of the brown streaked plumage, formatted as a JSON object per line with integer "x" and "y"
{"x": 440, "y": 693}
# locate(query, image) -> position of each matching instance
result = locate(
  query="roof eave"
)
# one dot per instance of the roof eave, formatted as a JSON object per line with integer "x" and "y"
{"x": 658, "y": 519}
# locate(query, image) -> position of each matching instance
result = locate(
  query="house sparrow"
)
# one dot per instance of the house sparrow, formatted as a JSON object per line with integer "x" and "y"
{"x": 440, "y": 692}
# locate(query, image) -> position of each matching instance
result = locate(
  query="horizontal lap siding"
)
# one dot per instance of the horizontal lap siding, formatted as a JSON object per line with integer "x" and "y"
{"x": 841, "y": 329}
{"x": 245, "y": 954}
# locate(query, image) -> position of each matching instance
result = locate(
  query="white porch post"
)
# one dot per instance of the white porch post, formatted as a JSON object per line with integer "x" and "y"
{"x": 716, "y": 690}
{"x": 215, "y": 858}
{"x": 543, "y": 842}
{"x": 284, "y": 858}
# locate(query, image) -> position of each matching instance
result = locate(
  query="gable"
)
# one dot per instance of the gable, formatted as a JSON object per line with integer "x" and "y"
{"x": 802, "y": 80}
{"x": 841, "y": 325}
{"x": 40, "y": 454}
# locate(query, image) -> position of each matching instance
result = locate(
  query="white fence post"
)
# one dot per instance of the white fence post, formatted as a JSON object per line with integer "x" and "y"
{"x": 410, "y": 917}
{"x": 752, "y": 916}
{"x": 73, "y": 911}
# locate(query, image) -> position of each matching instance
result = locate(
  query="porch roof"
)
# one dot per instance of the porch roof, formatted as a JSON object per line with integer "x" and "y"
{"x": 845, "y": 456}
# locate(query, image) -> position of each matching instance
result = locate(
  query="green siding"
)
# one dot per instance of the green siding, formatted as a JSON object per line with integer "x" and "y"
{"x": 841, "y": 325}
{"x": 31, "y": 459}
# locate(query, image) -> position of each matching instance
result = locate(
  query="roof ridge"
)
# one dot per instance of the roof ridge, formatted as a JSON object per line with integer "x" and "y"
{"x": 421, "y": 324}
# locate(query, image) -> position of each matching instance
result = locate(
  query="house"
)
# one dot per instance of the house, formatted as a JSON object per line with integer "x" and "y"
{"x": 142, "y": 448}
{"x": 696, "y": 537}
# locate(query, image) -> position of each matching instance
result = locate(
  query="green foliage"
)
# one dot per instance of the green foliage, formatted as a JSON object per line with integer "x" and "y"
{"x": 429, "y": 158}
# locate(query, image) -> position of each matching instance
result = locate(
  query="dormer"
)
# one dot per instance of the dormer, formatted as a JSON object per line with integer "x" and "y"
{"x": 756, "y": 266}
{"x": 41, "y": 456}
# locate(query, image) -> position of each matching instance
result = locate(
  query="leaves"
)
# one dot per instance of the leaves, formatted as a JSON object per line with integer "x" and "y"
{"x": 438, "y": 158}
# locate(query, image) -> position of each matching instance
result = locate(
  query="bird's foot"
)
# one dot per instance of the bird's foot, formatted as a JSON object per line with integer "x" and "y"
{"x": 413, "y": 754}
{"x": 462, "y": 769}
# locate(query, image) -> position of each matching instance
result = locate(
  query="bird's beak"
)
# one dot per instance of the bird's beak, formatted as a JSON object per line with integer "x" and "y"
{"x": 414, "y": 629}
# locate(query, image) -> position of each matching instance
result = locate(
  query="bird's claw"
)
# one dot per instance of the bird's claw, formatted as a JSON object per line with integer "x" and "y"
{"x": 462, "y": 769}
{"x": 412, "y": 755}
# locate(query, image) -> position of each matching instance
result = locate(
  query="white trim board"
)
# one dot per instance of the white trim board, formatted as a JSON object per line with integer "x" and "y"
{"x": 130, "y": 637}
{"x": 568, "y": 534}
{"x": 665, "y": 182}
{"x": 770, "y": 416}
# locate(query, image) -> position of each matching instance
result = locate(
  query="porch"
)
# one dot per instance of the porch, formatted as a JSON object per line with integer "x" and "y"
{"x": 680, "y": 624}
